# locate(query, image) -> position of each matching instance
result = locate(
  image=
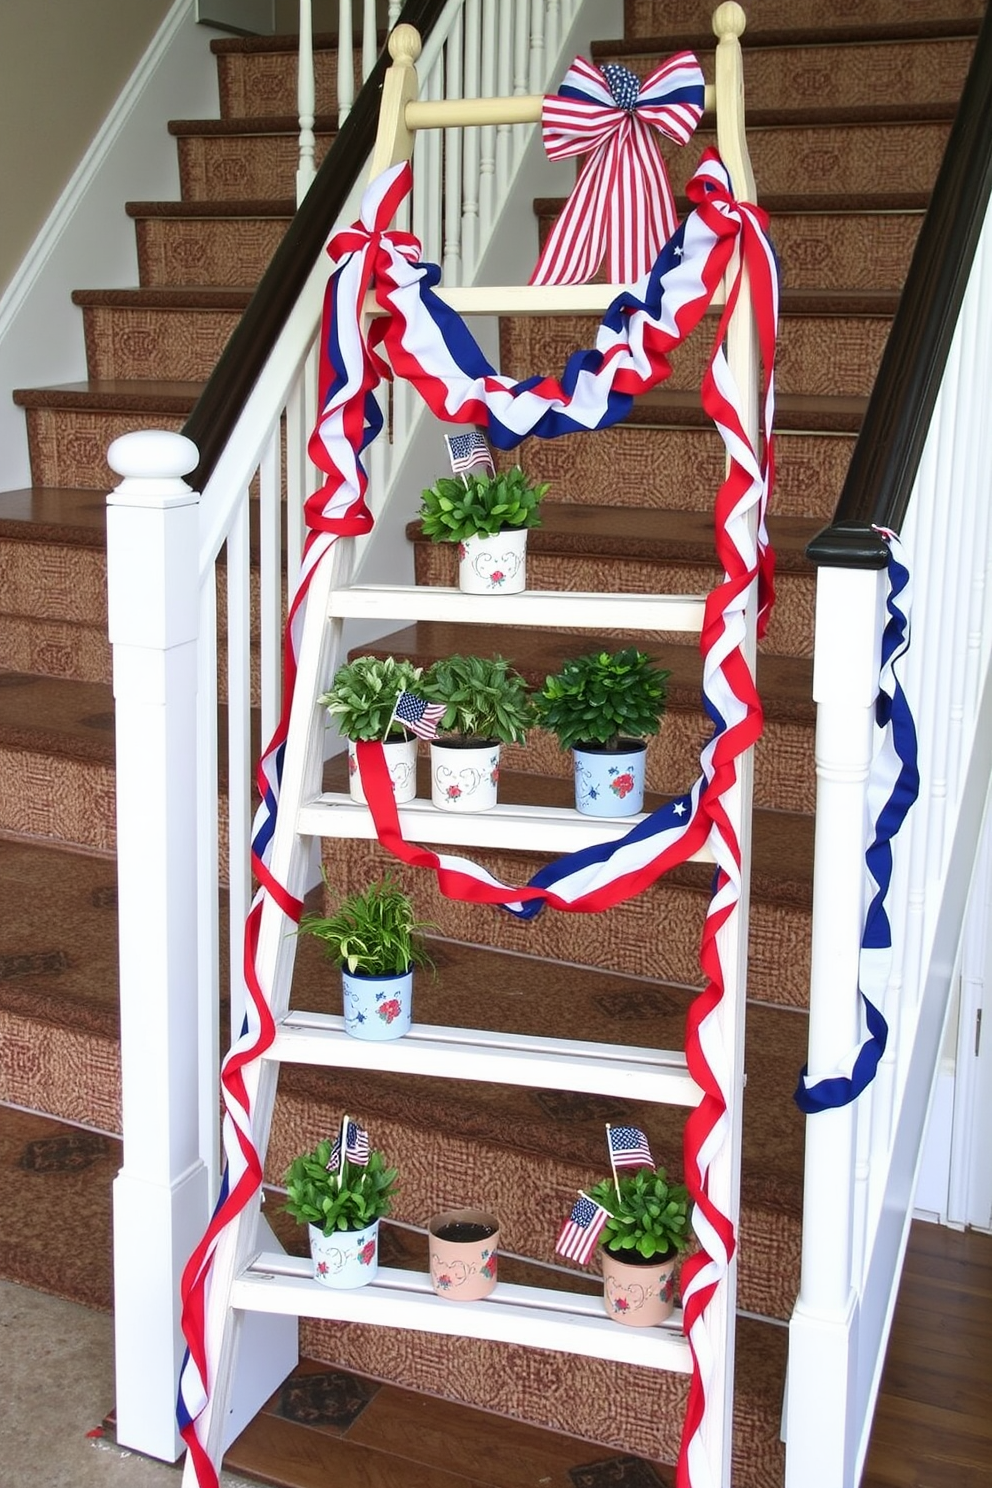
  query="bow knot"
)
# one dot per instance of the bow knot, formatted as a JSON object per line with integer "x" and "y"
{"x": 622, "y": 203}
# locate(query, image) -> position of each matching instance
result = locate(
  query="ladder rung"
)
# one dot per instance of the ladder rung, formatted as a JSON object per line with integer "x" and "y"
{"x": 536, "y": 607}
{"x": 530, "y": 299}
{"x": 533, "y": 1316}
{"x": 555, "y": 829}
{"x": 500, "y": 1058}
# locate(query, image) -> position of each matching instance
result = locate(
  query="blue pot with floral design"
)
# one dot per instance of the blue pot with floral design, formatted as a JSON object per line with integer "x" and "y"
{"x": 610, "y": 782}
{"x": 377, "y": 1007}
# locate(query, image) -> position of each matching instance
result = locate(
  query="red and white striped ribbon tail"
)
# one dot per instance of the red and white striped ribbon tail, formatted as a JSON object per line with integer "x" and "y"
{"x": 622, "y": 204}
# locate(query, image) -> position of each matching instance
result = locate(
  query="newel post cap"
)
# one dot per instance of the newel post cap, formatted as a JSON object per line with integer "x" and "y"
{"x": 152, "y": 463}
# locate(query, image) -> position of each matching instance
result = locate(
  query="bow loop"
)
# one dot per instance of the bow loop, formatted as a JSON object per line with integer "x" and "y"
{"x": 622, "y": 203}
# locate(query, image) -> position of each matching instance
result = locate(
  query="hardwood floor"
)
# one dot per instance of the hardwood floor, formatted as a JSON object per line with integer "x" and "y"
{"x": 933, "y": 1426}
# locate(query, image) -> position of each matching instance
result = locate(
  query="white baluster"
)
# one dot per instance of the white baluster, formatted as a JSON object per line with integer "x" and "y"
{"x": 537, "y": 62}
{"x": 370, "y": 38}
{"x": 305, "y": 103}
{"x": 270, "y": 583}
{"x": 487, "y": 135}
{"x": 346, "y": 61}
{"x": 470, "y": 142}
{"x": 552, "y": 35}
{"x": 208, "y": 881}
{"x": 452, "y": 262}
{"x": 239, "y": 751}
{"x": 504, "y": 142}
{"x": 521, "y": 47}
{"x": 161, "y": 1198}
{"x": 395, "y": 7}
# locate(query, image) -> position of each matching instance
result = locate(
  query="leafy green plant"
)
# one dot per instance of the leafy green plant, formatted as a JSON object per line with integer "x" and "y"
{"x": 650, "y": 1217}
{"x": 348, "y": 1200}
{"x": 602, "y": 698}
{"x": 364, "y": 693}
{"x": 453, "y": 509}
{"x": 484, "y": 697}
{"x": 372, "y": 933}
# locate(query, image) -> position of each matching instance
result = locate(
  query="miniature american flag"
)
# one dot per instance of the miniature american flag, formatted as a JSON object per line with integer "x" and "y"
{"x": 469, "y": 453}
{"x": 628, "y": 1146}
{"x": 418, "y": 715}
{"x": 356, "y": 1148}
{"x": 580, "y": 1231}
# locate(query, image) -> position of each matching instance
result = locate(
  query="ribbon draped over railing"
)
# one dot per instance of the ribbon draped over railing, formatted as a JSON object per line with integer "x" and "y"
{"x": 893, "y": 786}
{"x": 420, "y": 338}
{"x": 622, "y": 204}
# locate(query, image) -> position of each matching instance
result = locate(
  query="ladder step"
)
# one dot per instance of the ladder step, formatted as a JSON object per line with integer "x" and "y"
{"x": 535, "y": 607}
{"x": 556, "y": 829}
{"x": 536, "y": 1317}
{"x": 500, "y": 1058}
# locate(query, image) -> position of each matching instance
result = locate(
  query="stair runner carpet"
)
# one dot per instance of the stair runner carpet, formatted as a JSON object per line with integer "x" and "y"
{"x": 849, "y": 105}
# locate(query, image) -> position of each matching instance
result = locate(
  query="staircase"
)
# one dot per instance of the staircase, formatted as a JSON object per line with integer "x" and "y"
{"x": 858, "y": 109}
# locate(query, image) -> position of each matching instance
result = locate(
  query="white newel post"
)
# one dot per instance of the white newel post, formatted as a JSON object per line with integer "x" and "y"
{"x": 823, "y": 1331}
{"x": 161, "y": 1197}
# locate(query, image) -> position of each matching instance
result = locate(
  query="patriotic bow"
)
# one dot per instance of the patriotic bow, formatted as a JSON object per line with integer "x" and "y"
{"x": 622, "y": 203}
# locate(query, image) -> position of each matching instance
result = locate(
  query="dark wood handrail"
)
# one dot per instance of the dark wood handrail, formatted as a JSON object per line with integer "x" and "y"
{"x": 241, "y": 362}
{"x": 889, "y": 447}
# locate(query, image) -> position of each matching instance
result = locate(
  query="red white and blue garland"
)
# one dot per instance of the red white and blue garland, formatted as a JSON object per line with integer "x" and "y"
{"x": 893, "y": 786}
{"x": 421, "y": 339}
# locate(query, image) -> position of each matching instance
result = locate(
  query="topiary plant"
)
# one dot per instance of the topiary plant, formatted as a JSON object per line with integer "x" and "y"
{"x": 364, "y": 693}
{"x": 372, "y": 933}
{"x": 484, "y": 697}
{"x": 347, "y": 1197}
{"x": 455, "y": 508}
{"x": 602, "y": 698}
{"x": 650, "y": 1217}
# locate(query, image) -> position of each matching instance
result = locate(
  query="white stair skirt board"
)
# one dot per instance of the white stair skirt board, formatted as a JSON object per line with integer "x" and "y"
{"x": 557, "y": 829}
{"x": 535, "y": 1317}
{"x": 536, "y": 607}
{"x": 501, "y": 1058}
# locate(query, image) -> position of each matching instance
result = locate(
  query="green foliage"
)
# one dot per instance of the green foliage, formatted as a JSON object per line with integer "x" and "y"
{"x": 602, "y": 698}
{"x": 364, "y": 692}
{"x": 485, "y": 698}
{"x": 373, "y": 933}
{"x": 454, "y": 509}
{"x": 315, "y": 1196}
{"x": 651, "y": 1216}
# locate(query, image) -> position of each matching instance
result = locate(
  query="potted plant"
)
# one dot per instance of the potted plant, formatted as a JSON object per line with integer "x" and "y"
{"x": 362, "y": 701}
{"x": 602, "y": 706}
{"x": 464, "y": 1249}
{"x": 488, "y": 517}
{"x": 341, "y": 1190}
{"x": 645, "y": 1231}
{"x": 486, "y": 703}
{"x": 377, "y": 940}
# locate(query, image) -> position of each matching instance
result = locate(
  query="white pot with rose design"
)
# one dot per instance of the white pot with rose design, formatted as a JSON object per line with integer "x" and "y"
{"x": 464, "y": 774}
{"x": 487, "y": 513}
{"x": 486, "y": 704}
{"x": 401, "y": 762}
{"x": 494, "y": 564}
{"x": 346, "y": 1258}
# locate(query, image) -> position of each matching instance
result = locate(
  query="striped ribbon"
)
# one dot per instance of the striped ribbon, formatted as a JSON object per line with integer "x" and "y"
{"x": 420, "y": 338}
{"x": 893, "y": 786}
{"x": 621, "y": 203}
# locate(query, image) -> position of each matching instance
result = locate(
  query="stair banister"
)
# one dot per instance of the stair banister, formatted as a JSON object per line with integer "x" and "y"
{"x": 921, "y": 466}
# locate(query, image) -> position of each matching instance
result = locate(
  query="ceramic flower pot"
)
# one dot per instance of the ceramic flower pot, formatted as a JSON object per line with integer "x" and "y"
{"x": 610, "y": 782}
{"x": 346, "y": 1259}
{"x": 640, "y": 1294}
{"x": 464, "y": 776}
{"x": 401, "y": 762}
{"x": 377, "y": 1007}
{"x": 493, "y": 565}
{"x": 463, "y": 1249}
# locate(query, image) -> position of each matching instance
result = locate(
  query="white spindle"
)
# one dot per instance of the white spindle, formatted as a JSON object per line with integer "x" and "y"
{"x": 552, "y": 34}
{"x": 395, "y": 6}
{"x": 270, "y": 583}
{"x": 521, "y": 49}
{"x": 538, "y": 62}
{"x": 239, "y": 760}
{"x": 208, "y": 954}
{"x": 504, "y": 77}
{"x": 161, "y": 1198}
{"x": 305, "y": 102}
{"x": 346, "y": 61}
{"x": 487, "y": 135}
{"x": 370, "y": 38}
{"x": 470, "y": 141}
{"x": 452, "y": 260}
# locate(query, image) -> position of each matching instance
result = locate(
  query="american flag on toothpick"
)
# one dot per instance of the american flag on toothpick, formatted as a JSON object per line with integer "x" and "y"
{"x": 581, "y": 1229}
{"x": 418, "y": 715}
{"x": 469, "y": 453}
{"x": 628, "y": 1147}
{"x": 356, "y": 1148}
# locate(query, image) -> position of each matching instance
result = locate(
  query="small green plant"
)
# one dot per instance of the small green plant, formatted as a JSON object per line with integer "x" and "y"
{"x": 480, "y": 505}
{"x": 372, "y": 933}
{"x": 650, "y": 1217}
{"x": 484, "y": 697}
{"x": 348, "y": 1199}
{"x": 364, "y": 693}
{"x": 602, "y": 698}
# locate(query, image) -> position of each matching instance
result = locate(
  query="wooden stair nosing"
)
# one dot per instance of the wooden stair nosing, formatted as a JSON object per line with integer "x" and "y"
{"x": 212, "y": 210}
{"x": 755, "y": 37}
{"x": 124, "y": 395}
{"x": 178, "y": 298}
{"x": 259, "y": 124}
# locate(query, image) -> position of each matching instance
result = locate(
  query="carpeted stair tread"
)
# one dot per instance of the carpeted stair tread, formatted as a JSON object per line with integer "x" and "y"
{"x": 208, "y": 210}
{"x": 53, "y": 715}
{"x": 793, "y": 201}
{"x": 650, "y": 533}
{"x": 785, "y": 682}
{"x": 325, "y": 124}
{"x": 758, "y": 35}
{"x": 802, "y": 412}
{"x": 54, "y": 514}
{"x": 655, "y": 17}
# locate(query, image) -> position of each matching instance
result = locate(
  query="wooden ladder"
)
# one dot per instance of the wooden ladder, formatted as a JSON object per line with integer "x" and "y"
{"x": 247, "y": 1278}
